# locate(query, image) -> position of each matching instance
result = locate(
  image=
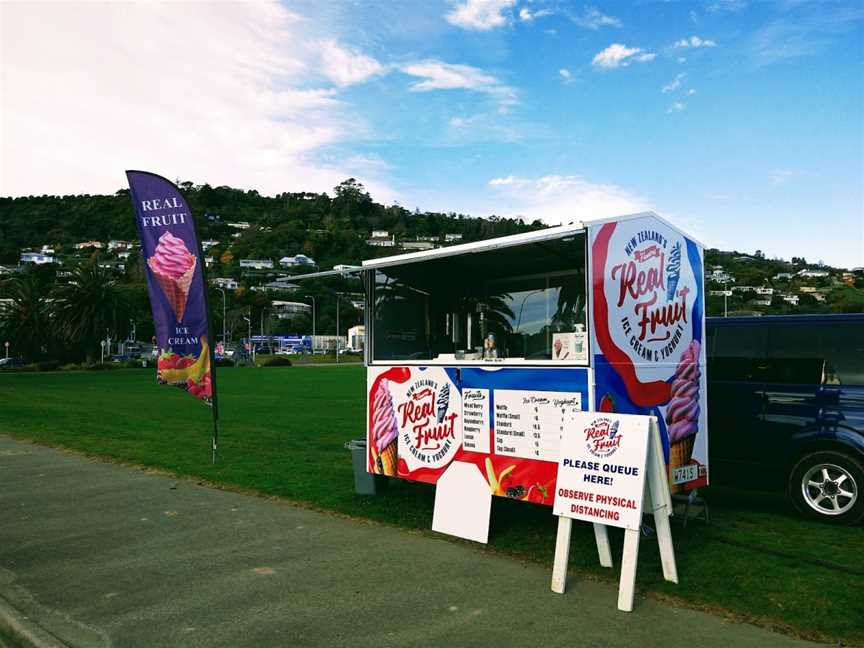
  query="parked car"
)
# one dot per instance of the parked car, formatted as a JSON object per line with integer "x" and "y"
{"x": 786, "y": 407}
{"x": 14, "y": 361}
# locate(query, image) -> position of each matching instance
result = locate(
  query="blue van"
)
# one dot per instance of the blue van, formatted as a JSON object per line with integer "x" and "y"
{"x": 786, "y": 407}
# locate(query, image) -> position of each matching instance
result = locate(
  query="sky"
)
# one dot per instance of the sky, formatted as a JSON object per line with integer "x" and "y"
{"x": 741, "y": 121}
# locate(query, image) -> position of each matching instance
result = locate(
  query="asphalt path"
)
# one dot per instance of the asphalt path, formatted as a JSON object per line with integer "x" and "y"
{"x": 97, "y": 554}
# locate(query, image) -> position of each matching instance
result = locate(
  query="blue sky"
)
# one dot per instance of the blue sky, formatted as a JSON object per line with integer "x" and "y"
{"x": 741, "y": 121}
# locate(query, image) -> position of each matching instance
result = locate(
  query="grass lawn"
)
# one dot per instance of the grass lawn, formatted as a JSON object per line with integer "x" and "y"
{"x": 282, "y": 433}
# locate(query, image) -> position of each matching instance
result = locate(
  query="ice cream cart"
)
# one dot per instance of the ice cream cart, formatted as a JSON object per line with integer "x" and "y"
{"x": 480, "y": 352}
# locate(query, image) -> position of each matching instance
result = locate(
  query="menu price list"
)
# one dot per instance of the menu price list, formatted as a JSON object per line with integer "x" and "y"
{"x": 475, "y": 420}
{"x": 529, "y": 424}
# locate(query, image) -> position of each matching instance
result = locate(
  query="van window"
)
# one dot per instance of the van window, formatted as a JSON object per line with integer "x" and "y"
{"x": 737, "y": 351}
{"x": 838, "y": 347}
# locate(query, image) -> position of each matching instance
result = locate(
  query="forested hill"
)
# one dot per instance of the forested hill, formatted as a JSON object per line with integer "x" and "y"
{"x": 330, "y": 230}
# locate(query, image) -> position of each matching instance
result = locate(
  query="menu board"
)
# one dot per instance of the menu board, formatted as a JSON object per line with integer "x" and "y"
{"x": 475, "y": 420}
{"x": 529, "y": 424}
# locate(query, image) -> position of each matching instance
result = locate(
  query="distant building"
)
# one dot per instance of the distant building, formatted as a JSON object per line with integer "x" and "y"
{"x": 118, "y": 245}
{"x": 807, "y": 289}
{"x": 296, "y": 260}
{"x": 37, "y": 258}
{"x": 848, "y": 278}
{"x": 416, "y": 245}
{"x": 720, "y": 293}
{"x": 783, "y": 276}
{"x": 762, "y": 302}
{"x": 242, "y": 225}
{"x": 206, "y": 245}
{"x": 813, "y": 273}
{"x": 257, "y": 264}
{"x": 47, "y": 249}
{"x": 209, "y": 261}
{"x": 744, "y": 289}
{"x": 225, "y": 282}
{"x": 450, "y": 238}
{"x": 765, "y": 291}
{"x": 276, "y": 286}
{"x": 431, "y": 239}
{"x": 289, "y": 309}
{"x": 381, "y": 238}
{"x": 356, "y": 337}
{"x": 96, "y": 245}
{"x": 124, "y": 255}
{"x": 819, "y": 297}
{"x": 791, "y": 299}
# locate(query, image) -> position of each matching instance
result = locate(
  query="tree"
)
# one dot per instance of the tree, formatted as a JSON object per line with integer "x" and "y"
{"x": 92, "y": 305}
{"x": 25, "y": 322}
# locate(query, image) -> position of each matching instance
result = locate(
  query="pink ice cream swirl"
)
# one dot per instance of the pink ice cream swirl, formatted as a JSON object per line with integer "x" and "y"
{"x": 682, "y": 413}
{"x": 171, "y": 257}
{"x": 384, "y": 426}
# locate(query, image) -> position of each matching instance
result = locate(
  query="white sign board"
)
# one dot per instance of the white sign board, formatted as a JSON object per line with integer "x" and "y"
{"x": 601, "y": 469}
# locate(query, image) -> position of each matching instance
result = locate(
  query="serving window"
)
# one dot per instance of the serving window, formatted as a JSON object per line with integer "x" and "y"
{"x": 519, "y": 304}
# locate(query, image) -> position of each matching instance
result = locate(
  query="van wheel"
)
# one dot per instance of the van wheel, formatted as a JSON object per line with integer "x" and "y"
{"x": 828, "y": 486}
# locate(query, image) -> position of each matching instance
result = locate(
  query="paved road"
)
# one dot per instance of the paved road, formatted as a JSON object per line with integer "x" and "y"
{"x": 102, "y": 555}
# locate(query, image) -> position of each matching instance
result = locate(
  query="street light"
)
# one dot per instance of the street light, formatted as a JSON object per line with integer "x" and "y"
{"x": 223, "y": 316}
{"x": 337, "y": 328}
{"x": 313, "y": 322}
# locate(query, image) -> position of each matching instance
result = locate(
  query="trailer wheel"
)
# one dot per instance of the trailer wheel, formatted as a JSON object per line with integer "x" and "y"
{"x": 829, "y": 486}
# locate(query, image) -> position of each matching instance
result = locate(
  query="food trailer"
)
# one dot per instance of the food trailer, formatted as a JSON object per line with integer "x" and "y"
{"x": 481, "y": 352}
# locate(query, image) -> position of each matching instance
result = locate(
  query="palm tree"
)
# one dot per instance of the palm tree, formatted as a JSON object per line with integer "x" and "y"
{"x": 25, "y": 321}
{"x": 92, "y": 305}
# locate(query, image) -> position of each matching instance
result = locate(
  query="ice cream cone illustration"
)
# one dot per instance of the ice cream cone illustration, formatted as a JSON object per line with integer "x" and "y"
{"x": 443, "y": 401}
{"x": 682, "y": 413}
{"x": 385, "y": 431}
{"x": 173, "y": 266}
{"x": 673, "y": 271}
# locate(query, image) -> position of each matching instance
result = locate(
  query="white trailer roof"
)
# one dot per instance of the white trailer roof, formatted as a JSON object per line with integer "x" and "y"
{"x": 551, "y": 233}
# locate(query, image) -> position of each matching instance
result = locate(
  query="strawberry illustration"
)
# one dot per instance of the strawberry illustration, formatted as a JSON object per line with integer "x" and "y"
{"x": 607, "y": 404}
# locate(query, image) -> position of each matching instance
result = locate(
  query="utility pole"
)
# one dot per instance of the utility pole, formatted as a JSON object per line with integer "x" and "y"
{"x": 337, "y": 328}
{"x": 224, "y": 342}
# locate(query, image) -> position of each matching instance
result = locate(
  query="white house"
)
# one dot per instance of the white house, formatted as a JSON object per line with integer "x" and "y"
{"x": 124, "y": 255}
{"x": 791, "y": 299}
{"x": 381, "y": 241}
{"x": 813, "y": 273}
{"x": 417, "y": 245}
{"x": 765, "y": 291}
{"x": 96, "y": 245}
{"x": 451, "y": 238}
{"x": 239, "y": 225}
{"x": 206, "y": 245}
{"x": 783, "y": 276}
{"x": 118, "y": 245}
{"x": 288, "y": 309}
{"x": 720, "y": 293}
{"x": 257, "y": 264}
{"x": 37, "y": 258}
{"x": 276, "y": 286}
{"x": 225, "y": 282}
{"x": 296, "y": 260}
{"x": 47, "y": 249}
{"x": 356, "y": 337}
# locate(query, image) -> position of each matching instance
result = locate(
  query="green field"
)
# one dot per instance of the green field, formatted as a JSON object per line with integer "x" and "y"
{"x": 283, "y": 431}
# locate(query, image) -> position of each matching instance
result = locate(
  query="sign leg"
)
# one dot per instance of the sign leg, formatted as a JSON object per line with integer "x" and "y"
{"x": 562, "y": 555}
{"x": 604, "y": 551}
{"x": 627, "y": 584}
{"x": 667, "y": 549}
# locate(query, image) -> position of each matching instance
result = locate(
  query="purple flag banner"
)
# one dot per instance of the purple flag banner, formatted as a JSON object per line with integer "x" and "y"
{"x": 174, "y": 267}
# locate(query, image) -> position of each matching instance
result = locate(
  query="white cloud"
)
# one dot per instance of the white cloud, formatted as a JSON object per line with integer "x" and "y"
{"x": 566, "y": 74}
{"x": 344, "y": 66}
{"x": 727, "y": 5}
{"x": 618, "y": 55}
{"x": 480, "y": 15}
{"x": 681, "y": 59}
{"x": 677, "y": 106}
{"x": 691, "y": 92}
{"x": 556, "y": 199}
{"x": 593, "y": 19}
{"x": 674, "y": 84}
{"x": 437, "y": 75}
{"x": 695, "y": 41}
{"x": 526, "y": 15}
{"x": 228, "y": 103}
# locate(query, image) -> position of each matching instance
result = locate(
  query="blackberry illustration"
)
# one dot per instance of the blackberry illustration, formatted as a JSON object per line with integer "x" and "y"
{"x": 515, "y": 492}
